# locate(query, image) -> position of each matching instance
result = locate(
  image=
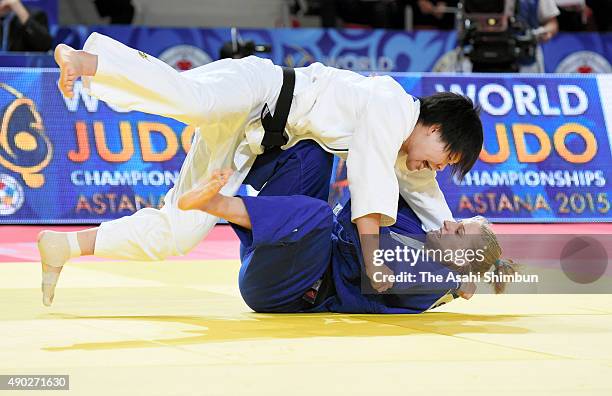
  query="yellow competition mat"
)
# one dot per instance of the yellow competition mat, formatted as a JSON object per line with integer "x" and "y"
{"x": 181, "y": 328}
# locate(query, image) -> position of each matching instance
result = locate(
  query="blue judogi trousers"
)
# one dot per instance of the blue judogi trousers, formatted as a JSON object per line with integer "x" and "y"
{"x": 289, "y": 247}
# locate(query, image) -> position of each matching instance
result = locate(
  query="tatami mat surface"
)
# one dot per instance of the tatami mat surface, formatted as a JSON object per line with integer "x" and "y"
{"x": 181, "y": 328}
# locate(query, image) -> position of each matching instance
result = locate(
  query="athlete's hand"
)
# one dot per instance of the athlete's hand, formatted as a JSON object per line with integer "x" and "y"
{"x": 467, "y": 290}
{"x": 381, "y": 273}
{"x": 9, "y": 3}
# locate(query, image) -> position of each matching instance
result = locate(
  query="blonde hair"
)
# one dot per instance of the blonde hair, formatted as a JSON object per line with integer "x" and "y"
{"x": 492, "y": 257}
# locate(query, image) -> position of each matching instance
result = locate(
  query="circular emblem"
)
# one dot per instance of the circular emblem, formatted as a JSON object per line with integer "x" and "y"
{"x": 11, "y": 195}
{"x": 584, "y": 259}
{"x": 584, "y": 62}
{"x": 24, "y": 147}
{"x": 185, "y": 57}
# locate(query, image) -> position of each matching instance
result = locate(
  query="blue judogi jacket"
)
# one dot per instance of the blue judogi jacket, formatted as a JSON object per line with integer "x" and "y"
{"x": 296, "y": 241}
{"x": 403, "y": 298}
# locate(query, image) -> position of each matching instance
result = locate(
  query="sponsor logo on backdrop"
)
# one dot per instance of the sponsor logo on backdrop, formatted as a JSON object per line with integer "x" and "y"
{"x": 546, "y": 154}
{"x": 11, "y": 195}
{"x": 542, "y": 154}
{"x": 296, "y": 56}
{"x": 584, "y": 62}
{"x": 185, "y": 57}
{"x": 24, "y": 147}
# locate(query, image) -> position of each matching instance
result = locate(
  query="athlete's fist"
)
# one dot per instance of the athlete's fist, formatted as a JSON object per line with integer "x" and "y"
{"x": 379, "y": 277}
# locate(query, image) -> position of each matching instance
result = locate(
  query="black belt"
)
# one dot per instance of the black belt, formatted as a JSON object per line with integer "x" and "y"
{"x": 274, "y": 126}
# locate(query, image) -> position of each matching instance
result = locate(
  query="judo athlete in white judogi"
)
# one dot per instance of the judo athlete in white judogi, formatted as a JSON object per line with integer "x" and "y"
{"x": 393, "y": 143}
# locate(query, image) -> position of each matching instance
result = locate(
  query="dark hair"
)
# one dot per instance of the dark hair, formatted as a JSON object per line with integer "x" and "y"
{"x": 460, "y": 127}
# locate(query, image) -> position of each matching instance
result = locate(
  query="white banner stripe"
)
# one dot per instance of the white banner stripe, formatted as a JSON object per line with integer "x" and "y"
{"x": 604, "y": 81}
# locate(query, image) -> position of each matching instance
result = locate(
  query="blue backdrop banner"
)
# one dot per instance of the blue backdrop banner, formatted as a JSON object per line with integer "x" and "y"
{"x": 354, "y": 49}
{"x": 360, "y": 50}
{"x": 547, "y": 152}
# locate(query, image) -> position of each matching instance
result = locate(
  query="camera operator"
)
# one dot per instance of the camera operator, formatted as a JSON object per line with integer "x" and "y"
{"x": 541, "y": 16}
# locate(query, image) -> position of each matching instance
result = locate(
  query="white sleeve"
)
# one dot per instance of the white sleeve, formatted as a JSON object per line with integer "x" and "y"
{"x": 371, "y": 161}
{"x": 421, "y": 191}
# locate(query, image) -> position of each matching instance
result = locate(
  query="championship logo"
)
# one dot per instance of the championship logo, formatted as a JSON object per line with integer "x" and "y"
{"x": 11, "y": 195}
{"x": 185, "y": 57}
{"x": 24, "y": 147}
{"x": 584, "y": 62}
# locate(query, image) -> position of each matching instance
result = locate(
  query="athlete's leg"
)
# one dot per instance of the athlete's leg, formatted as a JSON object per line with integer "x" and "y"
{"x": 285, "y": 231}
{"x": 286, "y": 251}
{"x": 301, "y": 170}
{"x": 304, "y": 169}
{"x": 149, "y": 234}
{"x": 230, "y": 91}
{"x": 285, "y": 243}
{"x": 133, "y": 80}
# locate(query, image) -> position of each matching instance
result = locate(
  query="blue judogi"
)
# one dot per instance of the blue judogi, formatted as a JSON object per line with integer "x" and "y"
{"x": 296, "y": 239}
{"x": 347, "y": 263}
{"x": 289, "y": 247}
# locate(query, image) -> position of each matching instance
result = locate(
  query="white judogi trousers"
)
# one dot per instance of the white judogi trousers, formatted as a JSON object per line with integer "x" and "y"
{"x": 222, "y": 98}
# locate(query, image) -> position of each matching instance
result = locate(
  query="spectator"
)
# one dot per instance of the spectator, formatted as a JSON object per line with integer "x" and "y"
{"x": 541, "y": 15}
{"x": 434, "y": 14}
{"x": 22, "y": 29}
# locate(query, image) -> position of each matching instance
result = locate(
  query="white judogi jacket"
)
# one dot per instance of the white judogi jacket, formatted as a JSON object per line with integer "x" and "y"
{"x": 364, "y": 120}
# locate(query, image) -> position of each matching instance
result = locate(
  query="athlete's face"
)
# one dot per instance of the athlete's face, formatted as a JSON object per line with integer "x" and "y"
{"x": 456, "y": 235}
{"x": 426, "y": 150}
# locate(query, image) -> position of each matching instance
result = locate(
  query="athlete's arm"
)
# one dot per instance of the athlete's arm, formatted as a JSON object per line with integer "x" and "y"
{"x": 368, "y": 227}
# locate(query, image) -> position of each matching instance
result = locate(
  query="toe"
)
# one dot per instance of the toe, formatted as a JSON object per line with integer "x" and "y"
{"x": 47, "y": 300}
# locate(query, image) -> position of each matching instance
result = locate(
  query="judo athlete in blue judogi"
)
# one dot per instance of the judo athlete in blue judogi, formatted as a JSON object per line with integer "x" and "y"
{"x": 298, "y": 256}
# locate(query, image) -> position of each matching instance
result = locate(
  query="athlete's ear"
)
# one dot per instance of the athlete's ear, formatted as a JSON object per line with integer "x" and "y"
{"x": 433, "y": 129}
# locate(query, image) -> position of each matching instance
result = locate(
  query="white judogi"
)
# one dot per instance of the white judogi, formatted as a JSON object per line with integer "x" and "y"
{"x": 362, "y": 119}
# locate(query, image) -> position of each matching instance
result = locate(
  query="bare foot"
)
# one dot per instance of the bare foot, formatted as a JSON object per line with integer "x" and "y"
{"x": 200, "y": 195}
{"x": 54, "y": 251}
{"x": 71, "y": 68}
